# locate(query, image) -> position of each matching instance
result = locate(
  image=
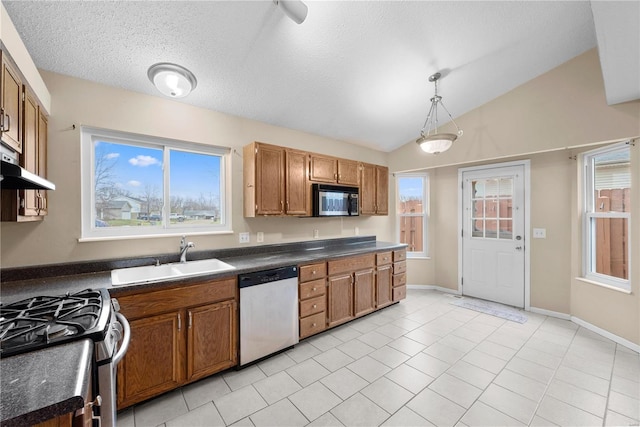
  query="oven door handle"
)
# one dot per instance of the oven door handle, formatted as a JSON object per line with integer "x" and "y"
{"x": 126, "y": 337}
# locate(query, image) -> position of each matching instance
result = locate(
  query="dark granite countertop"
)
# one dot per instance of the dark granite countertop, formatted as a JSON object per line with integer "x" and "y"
{"x": 47, "y": 383}
{"x": 58, "y": 279}
{"x": 44, "y": 384}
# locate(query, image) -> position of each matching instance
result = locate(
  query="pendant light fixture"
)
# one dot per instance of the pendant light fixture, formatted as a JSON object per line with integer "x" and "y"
{"x": 294, "y": 9}
{"x": 430, "y": 140}
{"x": 172, "y": 80}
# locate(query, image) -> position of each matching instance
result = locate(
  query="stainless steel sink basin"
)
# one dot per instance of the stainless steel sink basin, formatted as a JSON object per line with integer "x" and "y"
{"x": 156, "y": 273}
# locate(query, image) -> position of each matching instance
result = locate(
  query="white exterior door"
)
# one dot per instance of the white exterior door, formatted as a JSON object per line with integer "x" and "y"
{"x": 493, "y": 234}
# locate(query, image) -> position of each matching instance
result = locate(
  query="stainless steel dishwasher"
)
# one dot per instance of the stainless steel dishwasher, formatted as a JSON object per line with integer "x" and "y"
{"x": 268, "y": 312}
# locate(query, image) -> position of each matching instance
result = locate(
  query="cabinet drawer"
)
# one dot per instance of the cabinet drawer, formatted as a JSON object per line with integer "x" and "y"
{"x": 312, "y": 289}
{"x": 313, "y": 271}
{"x": 399, "y": 279}
{"x": 312, "y": 324}
{"x": 399, "y": 255}
{"x": 399, "y": 293}
{"x": 383, "y": 258}
{"x": 399, "y": 267}
{"x": 155, "y": 302}
{"x": 312, "y": 306}
{"x": 351, "y": 264}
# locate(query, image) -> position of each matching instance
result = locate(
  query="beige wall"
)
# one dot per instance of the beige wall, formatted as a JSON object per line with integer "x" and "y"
{"x": 81, "y": 102}
{"x": 543, "y": 120}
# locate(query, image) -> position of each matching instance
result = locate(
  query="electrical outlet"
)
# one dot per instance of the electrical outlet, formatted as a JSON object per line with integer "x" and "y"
{"x": 244, "y": 237}
{"x": 316, "y": 234}
{"x": 260, "y": 237}
{"x": 539, "y": 233}
{"x": 357, "y": 231}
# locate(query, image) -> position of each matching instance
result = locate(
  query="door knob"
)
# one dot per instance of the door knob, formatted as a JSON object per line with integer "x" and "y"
{"x": 518, "y": 238}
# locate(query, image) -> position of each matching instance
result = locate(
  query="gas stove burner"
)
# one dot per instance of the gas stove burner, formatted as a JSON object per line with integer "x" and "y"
{"x": 55, "y": 331}
{"x": 41, "y": 321}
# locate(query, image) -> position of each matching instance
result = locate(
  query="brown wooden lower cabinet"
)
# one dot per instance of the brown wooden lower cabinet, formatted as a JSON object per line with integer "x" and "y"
{"x": 152, "y": 365}
{"x": 384, "y": 285}
{"x": 178, "y": 335}
{"x": 364, "y": 292}
{"x": 340, "y": 299}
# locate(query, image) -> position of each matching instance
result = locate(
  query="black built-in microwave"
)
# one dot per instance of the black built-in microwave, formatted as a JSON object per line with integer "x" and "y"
{"x": 335, "y": 200}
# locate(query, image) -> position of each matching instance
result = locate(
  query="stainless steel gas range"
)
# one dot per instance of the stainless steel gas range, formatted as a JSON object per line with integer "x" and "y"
{"x": 40, "y": 322}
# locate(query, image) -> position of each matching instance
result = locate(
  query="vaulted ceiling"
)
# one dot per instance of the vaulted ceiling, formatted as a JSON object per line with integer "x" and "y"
{"x": 353, "y": 70}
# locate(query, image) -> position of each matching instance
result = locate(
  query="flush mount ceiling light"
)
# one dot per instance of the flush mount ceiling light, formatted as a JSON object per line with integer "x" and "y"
{"x": 294, "y": 9}
{"x": 171, "y": 79}
{"x": 430, "y": 140}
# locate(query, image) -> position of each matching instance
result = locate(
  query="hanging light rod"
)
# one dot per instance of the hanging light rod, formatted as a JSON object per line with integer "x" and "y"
{"x": 294, "y": 9}
{"x": 431, "y": 141}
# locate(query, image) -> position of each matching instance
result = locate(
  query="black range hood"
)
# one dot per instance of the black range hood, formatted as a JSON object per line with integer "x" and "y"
{"x": 15, "y": 177}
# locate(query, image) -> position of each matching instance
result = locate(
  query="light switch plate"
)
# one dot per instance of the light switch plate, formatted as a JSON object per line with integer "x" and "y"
{"x": 316, "y": 234}
{"x": 259, "y": 237}
{"x": 539, "y": 233}
{"x": 244, "y": 237}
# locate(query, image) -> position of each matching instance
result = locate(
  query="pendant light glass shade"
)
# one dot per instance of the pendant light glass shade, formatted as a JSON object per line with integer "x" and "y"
{"x": 430, "y": 141}
{"x": 171, "y": 79}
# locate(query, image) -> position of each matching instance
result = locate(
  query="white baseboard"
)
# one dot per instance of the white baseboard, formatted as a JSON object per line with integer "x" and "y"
{"x": 593, "y": 328}
{"x": 550, "y": 313}
{"x": 435, "y": 288}
{"x": 613, "y": 337}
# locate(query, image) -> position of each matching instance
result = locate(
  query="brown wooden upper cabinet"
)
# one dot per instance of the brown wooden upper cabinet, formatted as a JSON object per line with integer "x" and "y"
{"x": 11, "y": 105}
{"x": 374, "y": 190}
{"x": 333, "y": 170}
{"x": 275, "y": 181}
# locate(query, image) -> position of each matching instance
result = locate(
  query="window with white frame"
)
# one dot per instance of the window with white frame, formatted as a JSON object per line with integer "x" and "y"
{"x": 412, "y": 212}
{"x": 135, "y": 185}
{"x": 607, "y": 215}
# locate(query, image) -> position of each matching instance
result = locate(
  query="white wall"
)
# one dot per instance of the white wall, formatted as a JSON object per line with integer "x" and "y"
{"x": 80, "y": 102}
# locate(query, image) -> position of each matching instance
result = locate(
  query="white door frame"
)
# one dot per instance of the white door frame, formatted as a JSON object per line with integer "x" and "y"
{"x": 527, "y": 222}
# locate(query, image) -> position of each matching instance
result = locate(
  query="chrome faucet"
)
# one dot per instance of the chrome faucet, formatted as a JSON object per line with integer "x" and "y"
{"x": 184, "y": 247}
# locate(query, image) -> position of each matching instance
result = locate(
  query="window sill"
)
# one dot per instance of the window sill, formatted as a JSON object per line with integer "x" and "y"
{"x": 417, "y": 257}
{"x": 152, "y": 236}
{"x": 604, "y": 285}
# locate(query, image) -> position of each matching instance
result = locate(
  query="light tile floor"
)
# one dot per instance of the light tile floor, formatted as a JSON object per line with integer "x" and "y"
{"x": 419, "y": 363}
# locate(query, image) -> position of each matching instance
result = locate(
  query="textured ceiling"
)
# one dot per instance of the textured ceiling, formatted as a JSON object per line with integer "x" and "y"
{"x": 354, "y": 70}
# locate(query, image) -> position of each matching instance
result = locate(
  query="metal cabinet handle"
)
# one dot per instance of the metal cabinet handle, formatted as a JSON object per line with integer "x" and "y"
{"x": 313, "y": 325}
{"x": 313, "y": 272}
{"x": 8, "y": 128}
{"x": 315, "y": 306}
{"x": 2, "y": 119}
{"x": 190, "y": 320}
{"x": 314, "y": 289}
{"x": 179, "y": 322}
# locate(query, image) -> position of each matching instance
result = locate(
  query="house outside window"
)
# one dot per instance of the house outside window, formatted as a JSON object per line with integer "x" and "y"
{"x": 412, "y": 212}
{"x": 607, "y": 215}
{"x": 135, "y": 185}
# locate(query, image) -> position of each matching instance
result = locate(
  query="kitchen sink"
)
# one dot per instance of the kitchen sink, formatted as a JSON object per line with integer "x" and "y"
{"x": 156, "y": 273}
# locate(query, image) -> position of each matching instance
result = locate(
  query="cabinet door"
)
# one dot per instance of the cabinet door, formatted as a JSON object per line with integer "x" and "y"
{"x": 29, "y": 204}
{"x": 298, "y": 198}
{"x": 340, "y": 299}
{"x": 211, "y": 339}
{"x": 384, "y": 284}
{"x": 43, "y": 129}
{"x": 270, "y": 180}
{"x": 153, "y": 362}
{"x": 348, "y": 172}
{"x": 367, "y": 189}
{"x": 323, "y": 169}
{"x": 382, "y": 190}
{"x": 11, "y": 104}
{"x": 364, "y": 300}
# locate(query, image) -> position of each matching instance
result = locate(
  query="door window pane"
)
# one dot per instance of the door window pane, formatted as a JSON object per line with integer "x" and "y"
{"x": 492, "y": 200}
